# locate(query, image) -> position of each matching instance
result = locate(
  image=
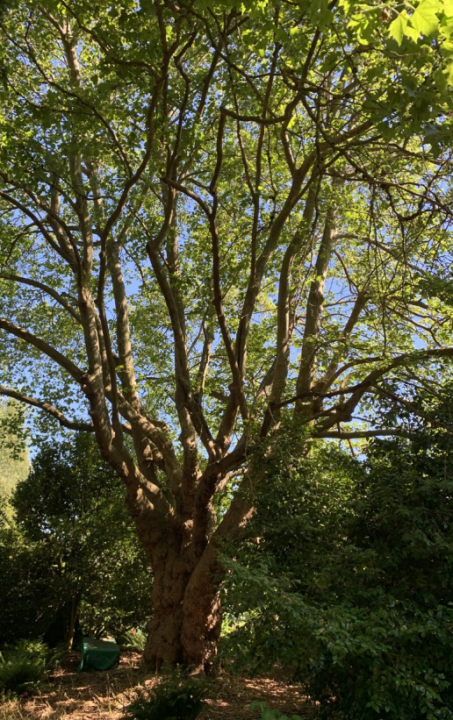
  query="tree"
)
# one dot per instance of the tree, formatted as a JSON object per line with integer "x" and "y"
{"x": 72, "y": 553}
{"x": 349, "y": 586}
{"x": 26, "y": 595}
{"x": 216, "y": 217}
{"x": 14, "y": 462}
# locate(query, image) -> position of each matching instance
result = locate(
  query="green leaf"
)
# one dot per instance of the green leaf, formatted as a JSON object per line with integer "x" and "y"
{"x": 397, "y": 28}
{"x": 424, "y": 19}
{"x": 412, "y": 33}
{"x": 449, "y": 74}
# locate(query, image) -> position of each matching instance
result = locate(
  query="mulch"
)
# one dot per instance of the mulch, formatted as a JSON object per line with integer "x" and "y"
{"x": 92, "y": 695}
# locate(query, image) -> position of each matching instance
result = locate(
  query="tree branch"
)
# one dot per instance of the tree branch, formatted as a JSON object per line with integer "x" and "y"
{"x": 43, "y": 347}
{"x": 357, "y": 434}
{"x": 46, "y": 289}
{"x": 48, "y": 408}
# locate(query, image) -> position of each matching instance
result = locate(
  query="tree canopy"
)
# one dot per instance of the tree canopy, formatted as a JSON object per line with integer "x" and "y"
{"x": 218, "y": 219}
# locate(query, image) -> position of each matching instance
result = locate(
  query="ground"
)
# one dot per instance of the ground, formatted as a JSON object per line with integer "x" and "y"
{"x": 103, "y": 695}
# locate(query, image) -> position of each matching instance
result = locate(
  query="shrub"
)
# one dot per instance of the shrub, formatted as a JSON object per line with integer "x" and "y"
{"x": 175, "y": 698}
{"x": 23, "y": 666}
{"x": 268, "y": 714}
{"x": 351, "y": 584}
{"x": 133, "y": 640}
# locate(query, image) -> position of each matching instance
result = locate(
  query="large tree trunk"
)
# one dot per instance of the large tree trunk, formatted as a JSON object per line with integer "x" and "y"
{"x": 182, "y": 545}
{"x": 185, "y": 627}
{"x": 202, "y": 612}
{"x": 186, "y": 622}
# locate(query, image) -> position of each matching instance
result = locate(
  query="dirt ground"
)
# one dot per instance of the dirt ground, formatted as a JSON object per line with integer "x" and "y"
{"x": 100, "y": 695}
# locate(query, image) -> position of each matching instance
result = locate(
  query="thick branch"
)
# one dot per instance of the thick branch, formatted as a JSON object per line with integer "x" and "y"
{"x": 43, "y": 347}
{"x": 357, "y": 434}
{"x": 344, "y": 411}
{"x": 62, "y": 251}
{"x": 46, "y": 289}
{"x": 331, "y": 372}
{"x": 314, "y": 308}
{"x": 48, "y": 408}
{"x": 283, "y": 304}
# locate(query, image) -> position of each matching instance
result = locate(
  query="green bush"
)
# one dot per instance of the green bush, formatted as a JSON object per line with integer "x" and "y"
{"x": 176, "y": 698}
{"x": 28, "y": 599}
{"x": 133, "y": 640}
{"x": 23, "y": 666}
{"x": 69, "y": 551}
{"x": 73, "y": 521}
{"x": 268, "y": 714}
{"x": 351, "y": 583}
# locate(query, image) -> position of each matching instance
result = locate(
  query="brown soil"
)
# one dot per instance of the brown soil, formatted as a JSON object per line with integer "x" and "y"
{"x": 104, "y": 695}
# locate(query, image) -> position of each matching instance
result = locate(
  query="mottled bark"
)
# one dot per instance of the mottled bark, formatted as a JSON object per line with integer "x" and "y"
{"x": 185, "y": 626}
{"x": 202, "y": 611}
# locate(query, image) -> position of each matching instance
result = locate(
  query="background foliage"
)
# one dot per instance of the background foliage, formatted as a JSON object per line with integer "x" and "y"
{"x": 14, "y": 461}
{"x": 347, "y": 578}
{"x": 72, "y": 551}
